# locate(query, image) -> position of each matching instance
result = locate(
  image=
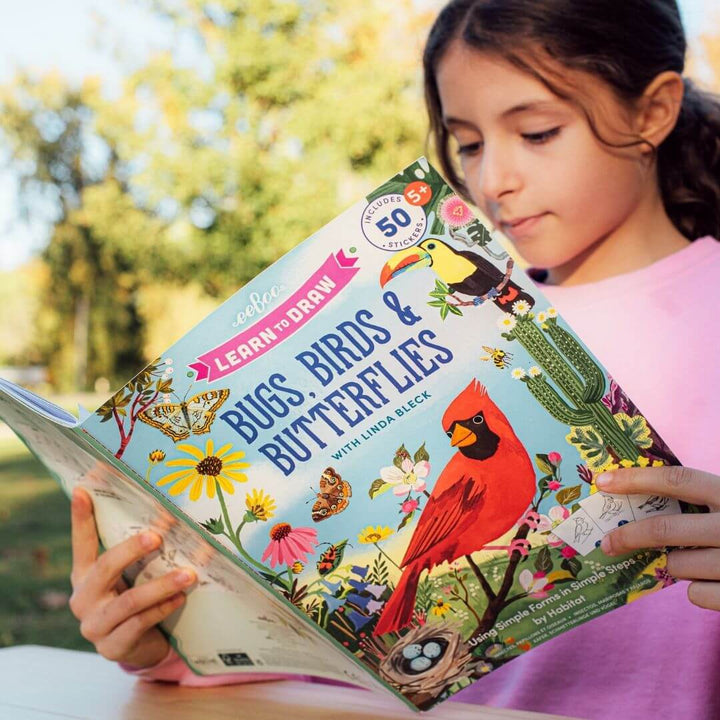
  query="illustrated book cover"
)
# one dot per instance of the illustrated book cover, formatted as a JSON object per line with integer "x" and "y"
{"x": 379, "y": 456}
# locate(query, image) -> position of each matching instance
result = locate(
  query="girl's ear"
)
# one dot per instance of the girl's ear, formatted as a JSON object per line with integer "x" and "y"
{"x": 659, "y": 108}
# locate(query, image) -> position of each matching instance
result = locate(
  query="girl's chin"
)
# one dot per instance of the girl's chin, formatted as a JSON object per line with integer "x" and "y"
{"x": 536, "y": 256}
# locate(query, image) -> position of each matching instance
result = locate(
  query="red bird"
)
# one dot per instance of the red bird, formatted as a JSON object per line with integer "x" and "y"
{"x": 480, "y": 494}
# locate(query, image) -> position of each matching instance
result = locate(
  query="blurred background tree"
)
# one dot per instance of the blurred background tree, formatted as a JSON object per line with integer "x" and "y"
{"x": 199, "y": 177}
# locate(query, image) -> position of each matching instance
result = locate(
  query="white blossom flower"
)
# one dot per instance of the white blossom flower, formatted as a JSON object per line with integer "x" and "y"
{"x": 409, "y": 476}
{"x": 518, "y": 374}
{"x": 541, "y": 317}
{"x": 507, "y": 323}
{"x": 555, "y": 516}
{"x": 521, "y": 307}
{"x": 551, "y": 312}
{"x": 533, "y": 584}
{"x": 534, "y": 371}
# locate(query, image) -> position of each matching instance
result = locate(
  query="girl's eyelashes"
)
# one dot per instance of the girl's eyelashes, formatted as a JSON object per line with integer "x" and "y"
{"x": 533, "y": 138}
{"x": 541, "y": 137}
{"x": 469, "y": 149}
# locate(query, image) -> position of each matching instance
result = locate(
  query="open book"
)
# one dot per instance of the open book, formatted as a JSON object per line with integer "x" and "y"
{"x": 378, "y": 456}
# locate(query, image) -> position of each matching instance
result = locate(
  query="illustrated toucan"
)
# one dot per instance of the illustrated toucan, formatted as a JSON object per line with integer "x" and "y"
{"x": 463, "y": 271}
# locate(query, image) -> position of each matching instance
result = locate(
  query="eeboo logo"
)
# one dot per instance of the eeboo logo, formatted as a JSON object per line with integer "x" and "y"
{"x": 391, "y": 223}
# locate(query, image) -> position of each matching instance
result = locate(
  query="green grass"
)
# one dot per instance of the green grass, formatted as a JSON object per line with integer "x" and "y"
{"x": 35, "y": 554}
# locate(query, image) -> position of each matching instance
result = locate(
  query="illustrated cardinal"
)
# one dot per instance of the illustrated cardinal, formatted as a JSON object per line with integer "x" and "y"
{"x": 481, "y": 493}
{"x": 463, "y": 271}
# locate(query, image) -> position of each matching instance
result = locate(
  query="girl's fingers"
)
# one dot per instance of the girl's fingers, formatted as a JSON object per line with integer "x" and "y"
{"x": 107, "y": 570}
{"x": 703, "y": 564}
{"x": 705, "y": 595}
{"x": 663, "y": 530}
{"x": 101, "y": 582}
{"x": 84, "y": 535}
{"x": 135, "y": 601}
{"x": 682, "y": 483}
{"x": 123, "y": 642}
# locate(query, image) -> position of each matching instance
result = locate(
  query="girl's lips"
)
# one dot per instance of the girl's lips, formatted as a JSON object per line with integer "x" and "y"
{"x": 524, "y": 226}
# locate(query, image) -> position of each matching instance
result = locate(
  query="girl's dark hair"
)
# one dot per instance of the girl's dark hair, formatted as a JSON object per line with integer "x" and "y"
{"x": 626, "y": 43}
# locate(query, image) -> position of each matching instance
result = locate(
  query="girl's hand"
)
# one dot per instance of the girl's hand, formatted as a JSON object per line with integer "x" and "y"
{"x": 120, "y": 622}
{"x": 700, "y": 530}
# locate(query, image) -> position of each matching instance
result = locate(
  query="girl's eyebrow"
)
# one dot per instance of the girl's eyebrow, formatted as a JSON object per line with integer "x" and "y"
{"x": 527, "y": 106}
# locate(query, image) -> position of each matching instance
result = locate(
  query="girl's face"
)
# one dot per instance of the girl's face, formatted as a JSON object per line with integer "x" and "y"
{"x": 531, "y": 161}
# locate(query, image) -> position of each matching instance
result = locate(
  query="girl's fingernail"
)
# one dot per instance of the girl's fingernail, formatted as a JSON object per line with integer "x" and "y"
{"x": 606, "y": 545}
{"x": 603, "y": 480}
{"x": 184, "y": 577}
{"x": 149, "y": 540}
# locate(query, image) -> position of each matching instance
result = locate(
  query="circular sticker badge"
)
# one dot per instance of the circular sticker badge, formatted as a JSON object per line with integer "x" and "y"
{"x": 392, "y": 223}
{"x": 418, "y": 193}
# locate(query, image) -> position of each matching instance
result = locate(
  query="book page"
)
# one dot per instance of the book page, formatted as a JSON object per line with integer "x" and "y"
{"x": 228, "y": 624}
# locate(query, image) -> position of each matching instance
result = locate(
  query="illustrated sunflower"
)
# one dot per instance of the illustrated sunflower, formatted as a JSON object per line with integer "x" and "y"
{"x": 440, "y": 608}
{"x": 260, "y": 505}
{"x": 207, "y": 469}
{"x": 374, "y": 534}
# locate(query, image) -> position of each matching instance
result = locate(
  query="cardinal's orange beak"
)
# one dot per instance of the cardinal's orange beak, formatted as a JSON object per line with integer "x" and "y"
{"x": 402, "y": 261}
{"x": 462, "y": 437}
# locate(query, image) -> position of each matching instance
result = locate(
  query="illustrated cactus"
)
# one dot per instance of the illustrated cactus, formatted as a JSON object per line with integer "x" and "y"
{"x": 575, "y": 374}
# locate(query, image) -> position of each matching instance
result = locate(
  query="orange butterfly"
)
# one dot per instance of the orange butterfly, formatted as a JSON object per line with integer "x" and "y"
{"x": 333, "y": 497}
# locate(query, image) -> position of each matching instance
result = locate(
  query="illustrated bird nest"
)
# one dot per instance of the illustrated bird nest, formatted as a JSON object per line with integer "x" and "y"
{"x": 425, "y": 661}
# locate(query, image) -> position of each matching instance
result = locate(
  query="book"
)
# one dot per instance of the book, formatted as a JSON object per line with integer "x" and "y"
{"x": 379, "y": 457}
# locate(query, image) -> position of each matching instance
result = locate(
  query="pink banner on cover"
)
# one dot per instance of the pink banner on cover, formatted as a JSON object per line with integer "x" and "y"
{"x": 317, "y": 291}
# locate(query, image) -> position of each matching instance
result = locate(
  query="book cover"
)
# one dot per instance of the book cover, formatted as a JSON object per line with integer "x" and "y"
{"x": 398, "y": 436}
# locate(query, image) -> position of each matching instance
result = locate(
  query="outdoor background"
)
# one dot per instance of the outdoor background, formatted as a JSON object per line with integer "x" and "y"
{"x": 154, "y": 156}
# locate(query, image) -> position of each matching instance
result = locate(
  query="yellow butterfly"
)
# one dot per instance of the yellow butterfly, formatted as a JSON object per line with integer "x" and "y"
{"x": 178, "y": 420}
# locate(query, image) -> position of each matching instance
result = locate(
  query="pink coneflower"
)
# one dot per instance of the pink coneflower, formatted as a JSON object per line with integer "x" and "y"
{"x": 454, "y": 212}
{"x": 289, "y": 544}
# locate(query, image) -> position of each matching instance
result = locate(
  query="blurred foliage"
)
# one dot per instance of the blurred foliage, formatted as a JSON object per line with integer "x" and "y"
{"x": 35, "y": 554}
{"x": 207, "y": 173}
{"x": 20, "y": 293}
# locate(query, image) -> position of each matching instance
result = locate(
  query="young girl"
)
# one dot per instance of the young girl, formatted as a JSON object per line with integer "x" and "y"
{"x": 579, "y": 138}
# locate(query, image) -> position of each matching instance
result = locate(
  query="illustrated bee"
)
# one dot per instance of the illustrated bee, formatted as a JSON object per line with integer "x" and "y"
{"x": 500, "y": 358}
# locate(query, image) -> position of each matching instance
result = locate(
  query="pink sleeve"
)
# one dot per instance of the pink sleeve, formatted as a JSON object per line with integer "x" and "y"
{"x": 174, "y": 669}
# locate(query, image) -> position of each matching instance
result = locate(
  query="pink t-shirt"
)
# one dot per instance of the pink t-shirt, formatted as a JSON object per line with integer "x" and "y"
{"x": 657, "y": 331}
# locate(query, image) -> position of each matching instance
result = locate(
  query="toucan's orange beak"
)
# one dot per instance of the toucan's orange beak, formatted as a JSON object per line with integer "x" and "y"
{"x": 462, "y": 437}
{"x": 402, "y": 261}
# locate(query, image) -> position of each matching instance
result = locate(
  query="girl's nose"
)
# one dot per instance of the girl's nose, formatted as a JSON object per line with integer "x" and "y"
{"x": 497, "y": 175}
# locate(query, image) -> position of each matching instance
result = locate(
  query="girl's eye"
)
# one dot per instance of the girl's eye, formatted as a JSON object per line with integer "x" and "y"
{"x": 541, "y": 137}
{"x": 470, "y": 148}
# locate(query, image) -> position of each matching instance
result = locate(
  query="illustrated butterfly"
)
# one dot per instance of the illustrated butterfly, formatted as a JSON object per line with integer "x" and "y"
{"x": 178, "y": 420}
{"x": 333, "y": 497}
